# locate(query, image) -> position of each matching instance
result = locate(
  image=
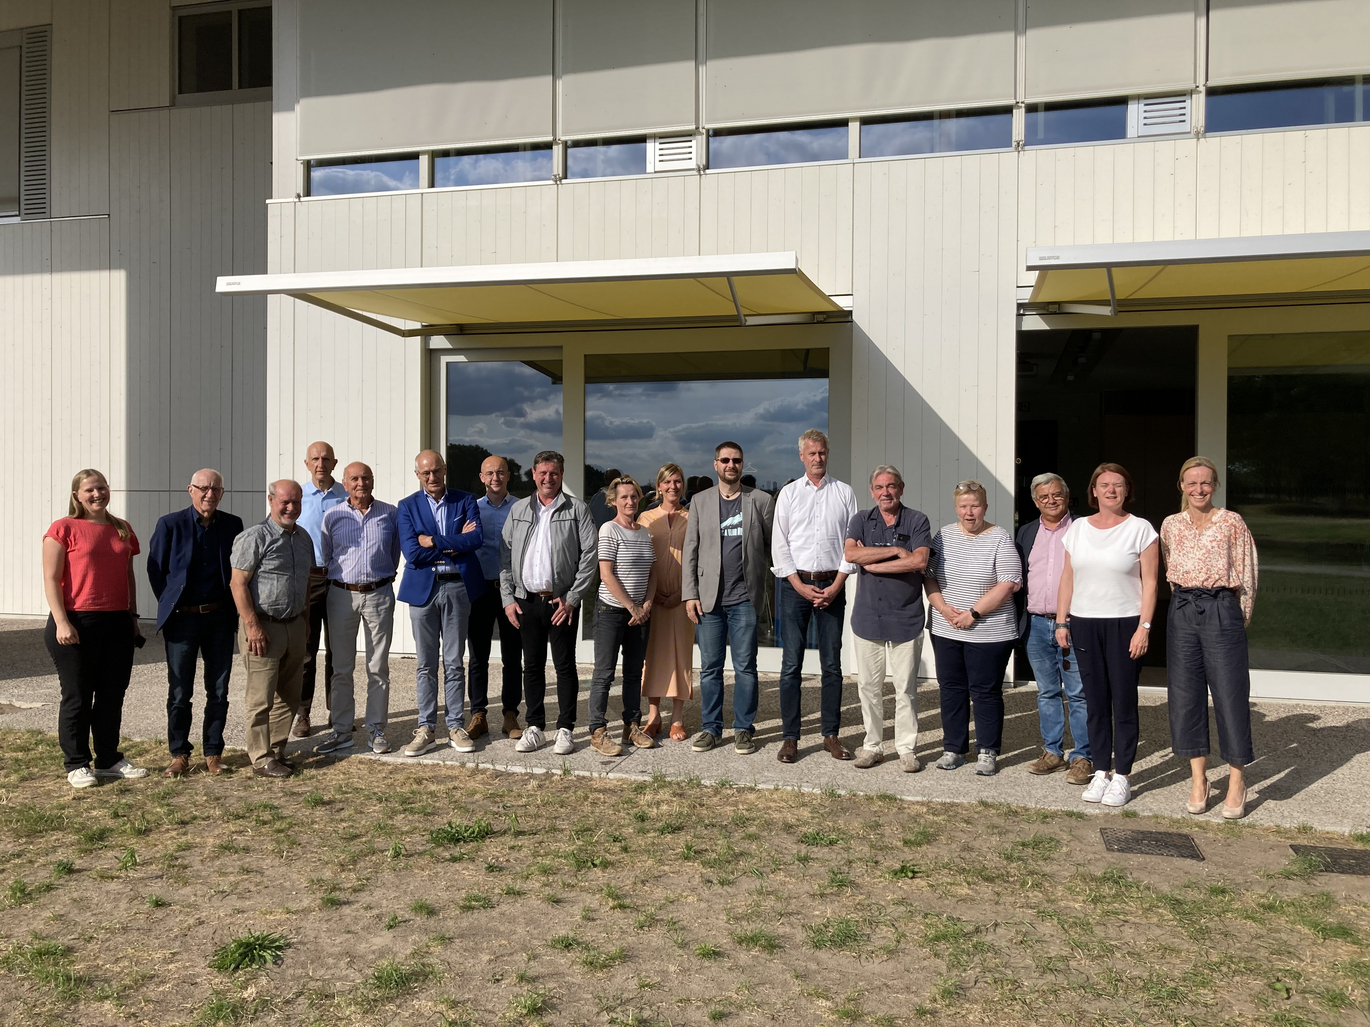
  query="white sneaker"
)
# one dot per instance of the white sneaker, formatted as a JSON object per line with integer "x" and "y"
{"x": 81, "y": 777}
{"x": 530, "y": 740}
{"x": 564, "y": 746}
{"x": 1118, "y": 791}
{"x": 461, "y": 741}
{"x": 121, "y": 769}
{"x": 423, "y": 742}
{"x": 1097, "y": 786}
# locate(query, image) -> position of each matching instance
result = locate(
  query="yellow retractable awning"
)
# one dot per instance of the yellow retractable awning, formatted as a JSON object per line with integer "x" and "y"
{"x": 1323, "y": 267}
{"x": 746, "y": 288}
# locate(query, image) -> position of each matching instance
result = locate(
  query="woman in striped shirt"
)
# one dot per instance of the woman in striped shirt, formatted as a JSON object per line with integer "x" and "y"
{"x": 973, "y": 571}
{"x": 627, "y": 583}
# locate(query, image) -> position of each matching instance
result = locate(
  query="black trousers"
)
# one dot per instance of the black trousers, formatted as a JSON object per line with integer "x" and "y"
{"x": 538, "y": 633}
{"x": 1205, "y": 650}
{"x": 612, "y": 633}
{"x": 1110, "y": 677}
{"x": 93, "y": 675}
{"x": 318, "y": 627}
{"x": 487, "y": 617}
{"x": 971, "y": 672}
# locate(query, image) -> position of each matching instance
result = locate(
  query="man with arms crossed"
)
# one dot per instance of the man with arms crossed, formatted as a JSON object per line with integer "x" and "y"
{"x": 891, "y": 545}
{"x": 440, "y": 535}
{"x": 487, "y": 615}
{"x": 548, "y": 557}
{"x": 270, "y": 584}
{"x": 321, "y": 493}
{"x": 724, "y": 581}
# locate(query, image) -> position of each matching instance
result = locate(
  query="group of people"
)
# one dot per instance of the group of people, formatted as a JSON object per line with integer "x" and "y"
{"x": 1078, "y": 593}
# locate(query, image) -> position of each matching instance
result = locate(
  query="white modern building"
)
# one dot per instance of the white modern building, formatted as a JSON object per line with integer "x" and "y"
{"x": 978, "y": 239}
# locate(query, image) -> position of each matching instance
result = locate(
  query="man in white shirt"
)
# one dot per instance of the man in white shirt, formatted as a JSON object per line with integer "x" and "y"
{"x": 811, "y": 518}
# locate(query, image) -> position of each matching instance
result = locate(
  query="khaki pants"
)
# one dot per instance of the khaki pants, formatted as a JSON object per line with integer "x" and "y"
{"x": 901, "y": 658}
{"x": 273, "y": 686}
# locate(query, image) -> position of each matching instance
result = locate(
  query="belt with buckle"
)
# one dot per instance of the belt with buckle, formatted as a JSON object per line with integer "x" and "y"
{"x": 448, "y": 576}
{"x": 205, "y": 608}
{"x": 364, "y": 587}
{"x": 544, "y": 595}
{"x": 814, "y": 577}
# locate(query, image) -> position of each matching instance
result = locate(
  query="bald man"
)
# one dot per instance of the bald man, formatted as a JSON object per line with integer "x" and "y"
{"x": 271, "y": 562}
{"x": 361, "y": 551}
{"x": 188, "y": 568}
{"x": 487, "y": 616}
{"x": 321, "y": 493}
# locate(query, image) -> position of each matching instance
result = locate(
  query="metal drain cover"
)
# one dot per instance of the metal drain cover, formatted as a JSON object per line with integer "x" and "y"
{"x": 1150, "y": 843}
{"x": 1337, "y": 861}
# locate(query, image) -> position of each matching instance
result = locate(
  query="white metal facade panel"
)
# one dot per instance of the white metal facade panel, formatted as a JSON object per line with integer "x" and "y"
{"x": 1271, "y": 40}
{"x": 627, "y": 66}
{"x": 426, "y": 73}
{"x": 770, "y": 59}
{"x": 139, "y": 54}
{"x": 490, "y": 226}
{"x": 632, "y": 217}
{"x": 1090, "y": 47}
{"x": 80, "y": 108}
{"x": 21, "y": 14}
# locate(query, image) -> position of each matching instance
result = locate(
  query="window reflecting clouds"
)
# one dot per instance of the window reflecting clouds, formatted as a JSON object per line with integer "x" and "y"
{"x": 598, "y": 158}
{"x": 338, "y": 178}
{"x": 520, "y": 164}
{"x": 729, "y": 148}
{"x": 1304, "y": 103}
{"x": 937, "y": 133}
{"x": 1049, "y": 125}
{"x": 504, "y": 408}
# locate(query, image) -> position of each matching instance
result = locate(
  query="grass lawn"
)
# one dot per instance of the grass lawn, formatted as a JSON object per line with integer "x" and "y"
{"x": 366, "y": 893}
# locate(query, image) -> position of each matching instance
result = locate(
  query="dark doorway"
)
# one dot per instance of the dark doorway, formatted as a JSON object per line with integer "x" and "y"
{"x": 1095, "y": 394}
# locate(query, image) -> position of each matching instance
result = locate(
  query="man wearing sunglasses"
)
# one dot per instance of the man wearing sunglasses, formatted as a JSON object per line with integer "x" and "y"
{"x": 188, "y": 568}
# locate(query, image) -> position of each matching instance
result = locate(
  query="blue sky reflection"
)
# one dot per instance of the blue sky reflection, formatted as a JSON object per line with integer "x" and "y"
{"x": 382, "y": 176}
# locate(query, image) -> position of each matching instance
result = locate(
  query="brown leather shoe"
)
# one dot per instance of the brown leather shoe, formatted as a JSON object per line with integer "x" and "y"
{"x": 639, "y": 738}
{"x": 789, "y": 751}
{"x": 835, "y": 748}
{"x": 301, "y": 728}
{"x": 180, "y": 766}
{"x": 511, "y": 725}
{"x": 273, "y": 768}
{"x": 1047, "y": 763}
{"x": 1081, "y": 771}
{"x": 214, "y": 765}
{"x": 477, "y": 725}
{"x": 603, "y": 744}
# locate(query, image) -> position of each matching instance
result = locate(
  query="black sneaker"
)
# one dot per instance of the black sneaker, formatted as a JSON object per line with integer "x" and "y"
{"x": 704, "y": 741}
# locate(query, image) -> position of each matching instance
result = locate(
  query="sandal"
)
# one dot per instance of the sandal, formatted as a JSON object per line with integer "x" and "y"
{"x": 652, "y": 729}
{"x": 677, "y": 732}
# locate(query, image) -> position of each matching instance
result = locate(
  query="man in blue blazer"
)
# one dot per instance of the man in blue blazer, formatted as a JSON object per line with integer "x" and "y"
{"x": 188, "y": 566}
{"x": 440, "y": 534}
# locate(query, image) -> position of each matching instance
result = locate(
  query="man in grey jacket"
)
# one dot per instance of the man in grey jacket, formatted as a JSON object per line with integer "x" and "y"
{"x": 725, "y": 580}
{"x": 547, "y": 561}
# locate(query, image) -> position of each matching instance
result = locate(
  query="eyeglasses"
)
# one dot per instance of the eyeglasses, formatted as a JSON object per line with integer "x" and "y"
{"x": 969, "y": 485}
{"x": 208, "y": 490}
{"x": 1051, "y": 497}
{"x": 727, "y": 460}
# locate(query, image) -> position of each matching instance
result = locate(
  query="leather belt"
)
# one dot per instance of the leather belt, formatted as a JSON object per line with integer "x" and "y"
{"x": 448, "y": 576}
{"x": 279, "y": 620}
{"x": 364, "y": 587}
{"x": 544, "y": 595}
{"x": 206, "y": 608}
{"x": 808, "y": 577}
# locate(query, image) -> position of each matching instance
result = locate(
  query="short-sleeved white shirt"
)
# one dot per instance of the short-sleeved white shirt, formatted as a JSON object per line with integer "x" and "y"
{"x": 1106, "y": 566}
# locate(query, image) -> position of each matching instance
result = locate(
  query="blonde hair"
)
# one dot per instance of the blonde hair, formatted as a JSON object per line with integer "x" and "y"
{"x": 667, "y": 470}
{"x": 1194, "y": 461}
{"x": 76, "y": 510}
{"x": 970, "y": 487}
{"x": 611, "y": 487}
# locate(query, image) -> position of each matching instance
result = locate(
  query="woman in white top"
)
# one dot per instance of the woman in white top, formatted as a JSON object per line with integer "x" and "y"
{"x": 627, "y": 583}
{"x": 973, "y": 571}
{"x": 1104, "y": 608}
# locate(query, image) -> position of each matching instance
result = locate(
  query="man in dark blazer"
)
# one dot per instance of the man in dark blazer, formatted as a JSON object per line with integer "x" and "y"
{"x": 725, "y": 582}
{"x": 440, "y": 534}
{"x": 188, "y": 567}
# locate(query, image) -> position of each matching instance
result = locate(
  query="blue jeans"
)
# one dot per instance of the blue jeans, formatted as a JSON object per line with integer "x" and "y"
{"x": 440, "y": 626}
{"x": 727, "y": 626}
{"x": 209, "y": 635}
{"x": 796, "y": 614}
{"x": 1057, "y": 671}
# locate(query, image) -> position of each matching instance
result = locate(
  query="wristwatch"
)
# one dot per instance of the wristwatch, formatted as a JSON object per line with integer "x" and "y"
{"x": 1146, "y": 624}
{"x": 975, "y": 614}
{"x": 1062, "y": 625}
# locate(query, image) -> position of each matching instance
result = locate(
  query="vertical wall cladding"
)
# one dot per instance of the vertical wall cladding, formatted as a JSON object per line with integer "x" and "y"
{"x": 490, "y": 226}
{"x": 622, "y": 218}
{"x": 246, "y": 467}
{"x": 139, "y": 54}
{"x": 80, "y": 108}
{"x": 933, "y": 345}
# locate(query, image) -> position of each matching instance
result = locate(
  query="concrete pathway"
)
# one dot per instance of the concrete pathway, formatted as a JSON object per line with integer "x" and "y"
{"x": 1312, "y": 760}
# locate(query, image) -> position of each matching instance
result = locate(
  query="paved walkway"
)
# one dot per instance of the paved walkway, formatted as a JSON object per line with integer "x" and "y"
{"x": 1311, "y": 768}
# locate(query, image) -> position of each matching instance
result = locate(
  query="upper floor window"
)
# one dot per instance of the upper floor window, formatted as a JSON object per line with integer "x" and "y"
{"x": 602, "y": 158}
{"x": 527, "y": 162}
{"x": 941, "y": 132}
{"x": 1246, "y": 108}
{"x": 754, "y": 147}
{"x": 363, "y": 175}
{"x": 25, "y": 84}
{"x": 1050, "y": 124}
{"x": 9, "y": 128}
{"x": 223, "y": 52}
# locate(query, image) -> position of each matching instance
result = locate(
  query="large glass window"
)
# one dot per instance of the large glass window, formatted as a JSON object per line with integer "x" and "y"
{"x": 528, "y": 162}
{"x": 601, "y": 158}
{"x": 1057, "y": 124}
{"x": 942, "y": 132}
{"x": 362, "y": 175}
{"x": 9, "y": 130}
{"x": 503, "y": 408}
{"x": 1297, "y": 103}
{"x": 1298, "y": 471}
{"x": 749, "y": 147}
{"x": 223, "y": 49}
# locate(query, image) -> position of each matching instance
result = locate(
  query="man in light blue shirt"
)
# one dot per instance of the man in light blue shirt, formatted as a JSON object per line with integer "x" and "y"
{"x": 321, "y": 492}
{"x": 487, "y": 616}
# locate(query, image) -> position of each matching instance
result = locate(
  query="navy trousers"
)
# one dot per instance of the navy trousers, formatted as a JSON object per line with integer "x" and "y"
{"x": 1110, "y": 677}
{"x": 210, "y": 636}
{"x": 971, "y": 672}
{"x": 1205, "y": 651}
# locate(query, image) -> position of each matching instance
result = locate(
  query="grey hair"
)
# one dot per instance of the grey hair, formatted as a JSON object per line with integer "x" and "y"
{"x": 812, "y": 435}
{"x": 887, "y": 469}
{"x": 209, "y": 470}
{"x": 1046, "y": 479}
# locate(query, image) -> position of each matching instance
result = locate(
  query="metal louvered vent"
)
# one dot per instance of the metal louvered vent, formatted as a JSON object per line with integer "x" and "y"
{"x": 1158, "y": 115}
{"x": 675, "y": 152}
{"x": 35, "y": 86}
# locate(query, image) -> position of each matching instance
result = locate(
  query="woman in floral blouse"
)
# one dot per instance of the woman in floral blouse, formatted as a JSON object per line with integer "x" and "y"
{"x": 1210, "y": 562}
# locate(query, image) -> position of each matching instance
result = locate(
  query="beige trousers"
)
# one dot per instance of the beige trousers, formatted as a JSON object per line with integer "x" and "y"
{"x": 273, "y": 686}
{"x": 901, "y": 659}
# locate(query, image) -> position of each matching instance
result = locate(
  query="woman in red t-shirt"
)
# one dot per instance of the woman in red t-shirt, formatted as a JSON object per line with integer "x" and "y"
{"x": 88, "y": 579}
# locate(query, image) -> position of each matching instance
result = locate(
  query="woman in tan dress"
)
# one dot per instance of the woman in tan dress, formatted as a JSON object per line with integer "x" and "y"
{"x": 670, "y": 645}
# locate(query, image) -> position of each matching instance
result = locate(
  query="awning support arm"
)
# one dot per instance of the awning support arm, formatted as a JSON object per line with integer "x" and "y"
{"x": 741, "y": 317}
{"x": 371, "y": 322}
{"x": 1112, "y": 294}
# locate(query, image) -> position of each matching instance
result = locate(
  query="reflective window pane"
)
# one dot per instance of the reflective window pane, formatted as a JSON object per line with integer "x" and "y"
{"x": 205, "y": 52}
{"x": 599, "y": 159}
{"x": 504, "y": 408}
{"x": 1054, "y": 125}
{"x": 363, "y": 175}
{"x": 1298, "y": 471}
{"x": 254, "y": 47}
{"x": 944, "y": 132}
{"x": 532, "y": 163}
{"x": 1306, "y": 103}
{"x": 729, "y": 148}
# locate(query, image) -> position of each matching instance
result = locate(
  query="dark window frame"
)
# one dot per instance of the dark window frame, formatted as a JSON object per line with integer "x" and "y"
{"x": 235, "y": 94}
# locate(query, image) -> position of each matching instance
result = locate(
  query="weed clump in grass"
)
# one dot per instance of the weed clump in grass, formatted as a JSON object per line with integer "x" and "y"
{"x": 1301, "y": 867}
{"x": 595, "y": 959}
{"x": 708, "y": 951}
{"x": 252, "y": 950}
{"x": 905, "y": 871}
{"x": 390, "y": 978}
{"x": 757, "y": 940}
{"x": 48, "y": 963}
{"x": 453, "y": 833}
{"x": 817, "y": 836}
{"x": 62, "y": 868}
{"x": 475, "y": 900}
{"x": 128, "y": 861}
{"x": 919, "y": 836}
{"x": 835, "y": 932}
{"x": 155, "y": 902}
{"x": 422, "y": 907}
{"x": 530, "y": 1003}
